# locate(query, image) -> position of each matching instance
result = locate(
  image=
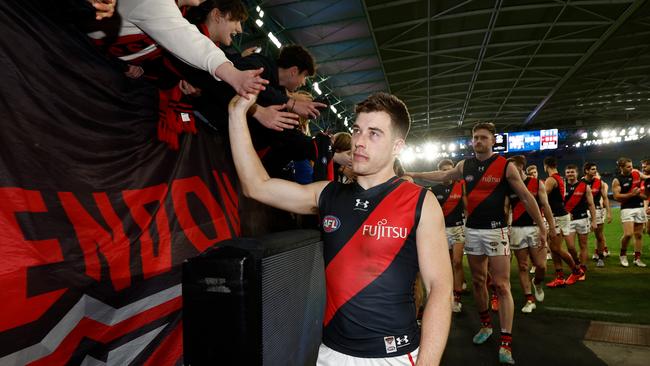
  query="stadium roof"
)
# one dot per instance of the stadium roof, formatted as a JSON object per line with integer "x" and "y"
{"x": 518, "y": 63}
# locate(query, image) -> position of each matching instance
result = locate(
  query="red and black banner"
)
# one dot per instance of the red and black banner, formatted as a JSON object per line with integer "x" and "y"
{"x": 96, "y": 214}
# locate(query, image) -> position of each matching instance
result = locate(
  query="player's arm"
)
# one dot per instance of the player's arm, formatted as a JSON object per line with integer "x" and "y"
{"x": 591, "y": 206}
{"x": 255, "y": 181}
{"x": 549, "y": 184}
{"x": 435, "y": 269}
{"x": 527, "y": 198}
{"x": 465, "y": 213}
{"x": 620, "y": 197}
{"x": 546, "y": 207}
{"x": 455, "y": 173}
{"x": 604, "y": 189}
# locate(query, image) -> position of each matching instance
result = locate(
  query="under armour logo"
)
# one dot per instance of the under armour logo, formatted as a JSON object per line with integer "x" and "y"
{"x": 481, "y": 168}
{"x": 403, "y": 340}
{"x": 360, "y": 203}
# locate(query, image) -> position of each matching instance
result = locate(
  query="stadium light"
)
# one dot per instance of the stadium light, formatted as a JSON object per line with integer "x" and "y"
{"x": 452, "y": 147}
{"x": 258, "y": 8}
{"x": 259, "y": 22}
{"x": 407, "y": 156}
{"x": 261, "y": 13}
{"x": 333, "y": 108}
{"x": 584, "y": 135}
{"x": 317, "y": 88}
{"x": 345, "y": 121}
{"x": 275, "y": 41}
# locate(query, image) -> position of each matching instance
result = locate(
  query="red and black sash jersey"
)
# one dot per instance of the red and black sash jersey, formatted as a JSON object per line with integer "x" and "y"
{"x": 450, "y": 197}
{"x": 596, "y": 186}
{"x": 646, "y": 188}
{"x": 628, "y": 183}
{"x": 370, "y": 266}
{"x": 520, "y": 216}
{"x": 575, "y": 200}
{"x": 556, "y": 196}
{"x": 486, "y": 190}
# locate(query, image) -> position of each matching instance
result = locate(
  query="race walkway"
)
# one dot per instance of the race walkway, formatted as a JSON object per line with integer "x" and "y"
{"x": 549, "y": 340}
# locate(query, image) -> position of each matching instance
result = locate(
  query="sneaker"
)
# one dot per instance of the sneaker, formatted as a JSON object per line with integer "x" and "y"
{"x": 573, "y": 278}
{"x": 532, "y": 270}
{"x": 623, "y": 260}
{"x": 482, "y": 335}
{"x": 600, "y": 263}
{"x": 494, "y": 303}
{"x": 529, "y": 307}
{"x": 605, "y": 253}
{"x": 538, "y": 290}
{"x": 456, "y": 306}
{"x": 637, "y": 262}
{"x": 557, "y": 282}
{"x": 594, "y": 257}
{"x": 505, "y": 356}
{"x": 583, "y": 270}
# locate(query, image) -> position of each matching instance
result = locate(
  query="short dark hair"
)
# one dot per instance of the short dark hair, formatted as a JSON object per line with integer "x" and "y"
{"x": 645, "y": 161}
{"x": 571, "y": 167}
{"x": 233, "y": 8}
{"x": 485, "y": 126}
{"x": 444, "y": 162}
{"x": 393, "y": 106}
{"x": 587, "y": 166}
{"x": 621, "y": 162}
{"x": 519, "y": 160}
{"x": 297, "y": 55}
{"x": 550, "y": 161}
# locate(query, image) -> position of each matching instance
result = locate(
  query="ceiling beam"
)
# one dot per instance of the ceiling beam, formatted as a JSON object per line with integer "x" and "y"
{"x": 495, "y": 45}
{"x": 531, "y": 58}
{"x": 374, "y": 39}
{"x": 608, "y": 33}
{"x": 506, "y": 28}
{"x": 481, "y": 56}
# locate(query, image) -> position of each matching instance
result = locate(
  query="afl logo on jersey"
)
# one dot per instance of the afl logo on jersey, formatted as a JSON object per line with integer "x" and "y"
{"x": 469, "y": 178}
{"x": 331, "y": 223}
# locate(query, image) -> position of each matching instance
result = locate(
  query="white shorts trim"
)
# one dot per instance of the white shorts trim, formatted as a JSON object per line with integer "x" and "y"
{"x": 490, "y": 242}
{"x": 563, "y": 224}
{"x": 522, "y": 237}
{"x": 330, "y": 357}
{"x": 580, "y": 226}
{"x": 455, "y": 234}
{"x": 633, "y": 214}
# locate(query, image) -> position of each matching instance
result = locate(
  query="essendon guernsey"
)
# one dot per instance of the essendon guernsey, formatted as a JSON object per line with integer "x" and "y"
{"x": 520, "y": 216}
{"x": 628, "y": 183}
{"x": 450, "y": 197}
{"x": 556, "y": 196}
{"x": 575, "y": 200}
{"x": 487, "y": 187}
{"x": 370, "y": 266}
{"x": 596, "y": 186}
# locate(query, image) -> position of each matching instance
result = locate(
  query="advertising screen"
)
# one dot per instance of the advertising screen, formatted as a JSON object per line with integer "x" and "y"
{"x": 524, "y": 141}
{"x": 549, "y": 139}
{"x": 501, "y": 144}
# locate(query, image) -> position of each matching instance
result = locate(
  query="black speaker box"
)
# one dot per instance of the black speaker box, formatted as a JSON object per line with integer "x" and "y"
{"x": 255, "y": 301}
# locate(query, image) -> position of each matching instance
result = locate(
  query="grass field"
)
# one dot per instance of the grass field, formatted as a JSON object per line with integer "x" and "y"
{"x": 612, "y": 293}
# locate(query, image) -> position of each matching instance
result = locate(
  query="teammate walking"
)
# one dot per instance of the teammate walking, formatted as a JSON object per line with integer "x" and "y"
{"x": 488, "y": 177}
{"x": 524, "y": 237}
{"x": 603, "y": 209}
{"x": 451, "y": 196}
{"x": 629, "y": 191}
{"x": 579, "y": 203}
{"x": 555, "y": 189}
